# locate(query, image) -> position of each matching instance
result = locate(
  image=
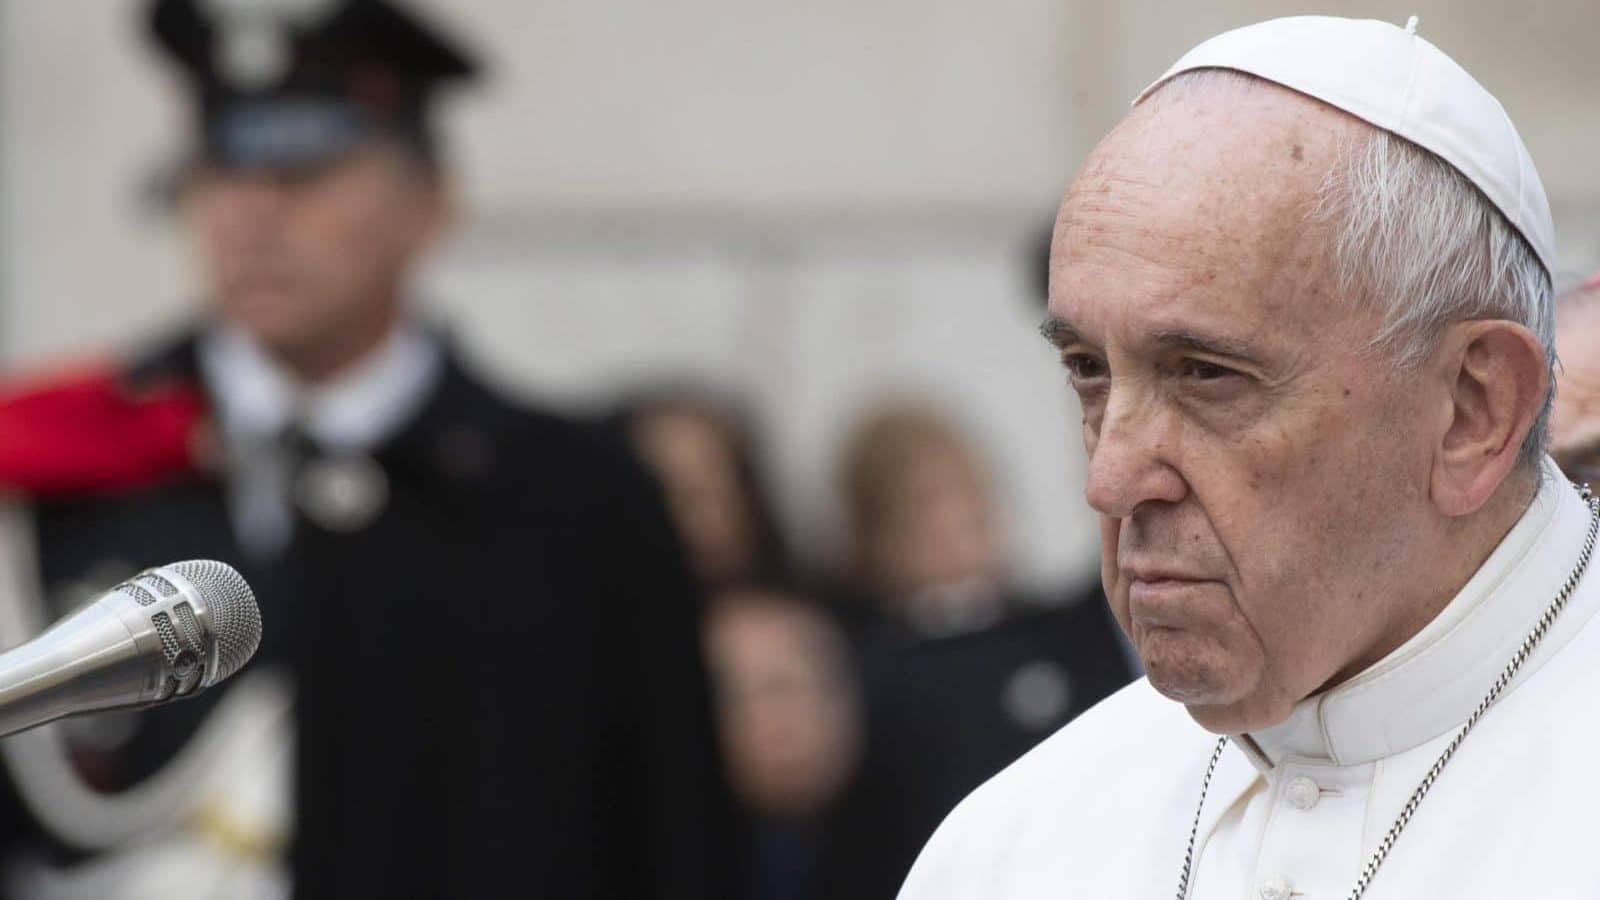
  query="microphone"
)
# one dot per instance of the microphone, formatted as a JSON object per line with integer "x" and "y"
{"x": 167, "y": 633}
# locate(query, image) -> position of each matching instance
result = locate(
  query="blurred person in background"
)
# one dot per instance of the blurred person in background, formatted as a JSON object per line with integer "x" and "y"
{"x": 790, "y": 726}
{"x": 781, "y": 668}
{"x": 923, "y": 550}
{"x": 961, "y": 673}
{"x": 489, "y": 632}
{"x": 701, "y": 447}
{"x": 1575, "y": 417}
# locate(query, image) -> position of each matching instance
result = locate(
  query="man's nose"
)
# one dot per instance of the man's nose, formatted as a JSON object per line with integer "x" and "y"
{"x": 256, "y": 199}
{"x": 1131, "y": 459}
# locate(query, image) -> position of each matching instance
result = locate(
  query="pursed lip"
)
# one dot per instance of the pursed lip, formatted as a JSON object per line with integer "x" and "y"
{"x": 1158, "y": 597}
{"x": 1154, "y": 572}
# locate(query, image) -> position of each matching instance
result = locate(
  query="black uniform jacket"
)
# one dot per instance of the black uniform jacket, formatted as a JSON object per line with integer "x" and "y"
{"x": 499, "y": 691}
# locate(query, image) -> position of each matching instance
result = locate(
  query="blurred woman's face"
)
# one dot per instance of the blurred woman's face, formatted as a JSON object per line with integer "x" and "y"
{"x": 697, "y": 469}
{"x": 939, "y": 532}
{"x": 786, "y": 705}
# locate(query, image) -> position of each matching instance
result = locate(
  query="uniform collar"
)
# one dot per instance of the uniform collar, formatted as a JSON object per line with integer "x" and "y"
{"x": 360, "y": 408}
{"x": 1431, "y": 683}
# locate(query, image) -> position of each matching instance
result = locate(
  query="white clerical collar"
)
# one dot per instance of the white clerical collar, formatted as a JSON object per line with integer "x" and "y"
{"x": 1432, "y": 682}
{"x": 256, "y": 398}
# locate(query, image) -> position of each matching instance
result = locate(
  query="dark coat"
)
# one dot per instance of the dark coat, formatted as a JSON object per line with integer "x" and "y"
{"x": 499, "y": 686}
{"x": 944, "y": 714}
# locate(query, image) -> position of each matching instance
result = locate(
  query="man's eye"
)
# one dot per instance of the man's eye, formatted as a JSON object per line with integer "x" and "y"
{"x": 1201, "y": 370}
{"x": 1083, "y": 367}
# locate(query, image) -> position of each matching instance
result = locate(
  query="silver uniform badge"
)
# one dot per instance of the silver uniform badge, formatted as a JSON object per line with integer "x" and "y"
{"x": 342, "y": 493}
{"x": 252, "y": 50}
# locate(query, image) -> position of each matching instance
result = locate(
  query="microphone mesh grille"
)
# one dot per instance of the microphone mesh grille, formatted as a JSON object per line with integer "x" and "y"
{"x": 161, "y": 586}
{"x": 169, "y": 637}
{"x": 233, "y": 608}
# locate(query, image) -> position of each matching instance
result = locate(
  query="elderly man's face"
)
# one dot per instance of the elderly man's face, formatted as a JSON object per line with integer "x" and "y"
{"x": 1238, "y": 441}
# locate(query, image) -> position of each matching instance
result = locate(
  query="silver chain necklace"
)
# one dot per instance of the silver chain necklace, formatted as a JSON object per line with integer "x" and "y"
{"x": 1400, "y": 822}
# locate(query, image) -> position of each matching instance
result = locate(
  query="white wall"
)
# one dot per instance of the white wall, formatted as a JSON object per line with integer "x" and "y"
{"x": 814, "y": 329}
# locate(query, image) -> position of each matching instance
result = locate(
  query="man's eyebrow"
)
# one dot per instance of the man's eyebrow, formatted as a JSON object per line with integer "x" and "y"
{"x": 1058, "y": 331}
{"x": 1205, "y": 343}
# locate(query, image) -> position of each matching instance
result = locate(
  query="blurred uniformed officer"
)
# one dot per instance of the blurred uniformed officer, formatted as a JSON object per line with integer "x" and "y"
{"x": 488, "y": 631}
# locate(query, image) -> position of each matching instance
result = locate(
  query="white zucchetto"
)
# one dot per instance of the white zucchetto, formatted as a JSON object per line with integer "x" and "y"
{"x": 1392, "y": 78}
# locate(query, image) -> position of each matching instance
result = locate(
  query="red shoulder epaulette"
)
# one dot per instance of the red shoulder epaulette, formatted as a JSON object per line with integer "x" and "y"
{"x": 89, "y": 429}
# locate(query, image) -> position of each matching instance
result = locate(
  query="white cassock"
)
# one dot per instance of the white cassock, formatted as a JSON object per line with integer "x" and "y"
{"x": 1103, "y": 808}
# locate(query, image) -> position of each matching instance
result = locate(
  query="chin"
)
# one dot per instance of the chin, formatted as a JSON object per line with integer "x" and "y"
{"x": 1221, "y": 711}
{"x": 271, "y": 316}
{"x": 287, "y": 343}
{"x": 1238, "y": 718}
{"x": 283, "y": 337}
{"x": 1188, "y": 687}
{"x": 1191, "y": 670}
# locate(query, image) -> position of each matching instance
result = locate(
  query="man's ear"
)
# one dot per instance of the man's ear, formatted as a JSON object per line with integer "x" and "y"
{"x": 1499, "y": 376}
{"x": 436, "y": 207}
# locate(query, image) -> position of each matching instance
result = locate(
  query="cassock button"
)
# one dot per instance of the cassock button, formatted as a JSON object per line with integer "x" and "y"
{"x": 1302, "y": 792}
{"x": 1276, "y": 889}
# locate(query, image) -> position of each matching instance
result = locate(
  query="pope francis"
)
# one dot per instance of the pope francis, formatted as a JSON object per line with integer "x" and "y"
{"x": 1303, "y": 294}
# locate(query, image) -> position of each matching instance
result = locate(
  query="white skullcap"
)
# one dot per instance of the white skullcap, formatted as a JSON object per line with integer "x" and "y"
{"x": 1391, "y": 78}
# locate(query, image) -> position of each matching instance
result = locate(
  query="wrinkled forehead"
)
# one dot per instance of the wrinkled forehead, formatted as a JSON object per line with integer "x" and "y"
{"x": 1206, "y": 204}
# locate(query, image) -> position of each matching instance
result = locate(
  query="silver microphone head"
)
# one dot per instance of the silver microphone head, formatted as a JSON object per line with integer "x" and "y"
{"x": 203, "y": 614}
{"x": 166, "y": 633}
{"x": 231, "y": 608}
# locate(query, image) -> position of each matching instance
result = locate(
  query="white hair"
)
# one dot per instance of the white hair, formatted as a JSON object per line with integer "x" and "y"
{"x": 1425, "y": 248}
{"x": 1417, "y": 242}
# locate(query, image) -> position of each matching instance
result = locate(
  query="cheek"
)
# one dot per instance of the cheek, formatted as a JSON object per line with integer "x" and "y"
{"x": 356, "y": 214}
{"x": 1263, "y": 484}
{"x": 350, "y": 266}
{"x": 210, "y": 232}
{"x": 1292, "y": 504}
{"x": 1302, "y": 491}
{"x": 1116, "y": 588}
{"x": 1253, "y": 522}
{"x": 329, "y": 228}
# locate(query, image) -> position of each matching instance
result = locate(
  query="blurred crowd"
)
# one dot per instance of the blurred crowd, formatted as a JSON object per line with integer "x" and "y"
{"x": 859, "y": 704}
